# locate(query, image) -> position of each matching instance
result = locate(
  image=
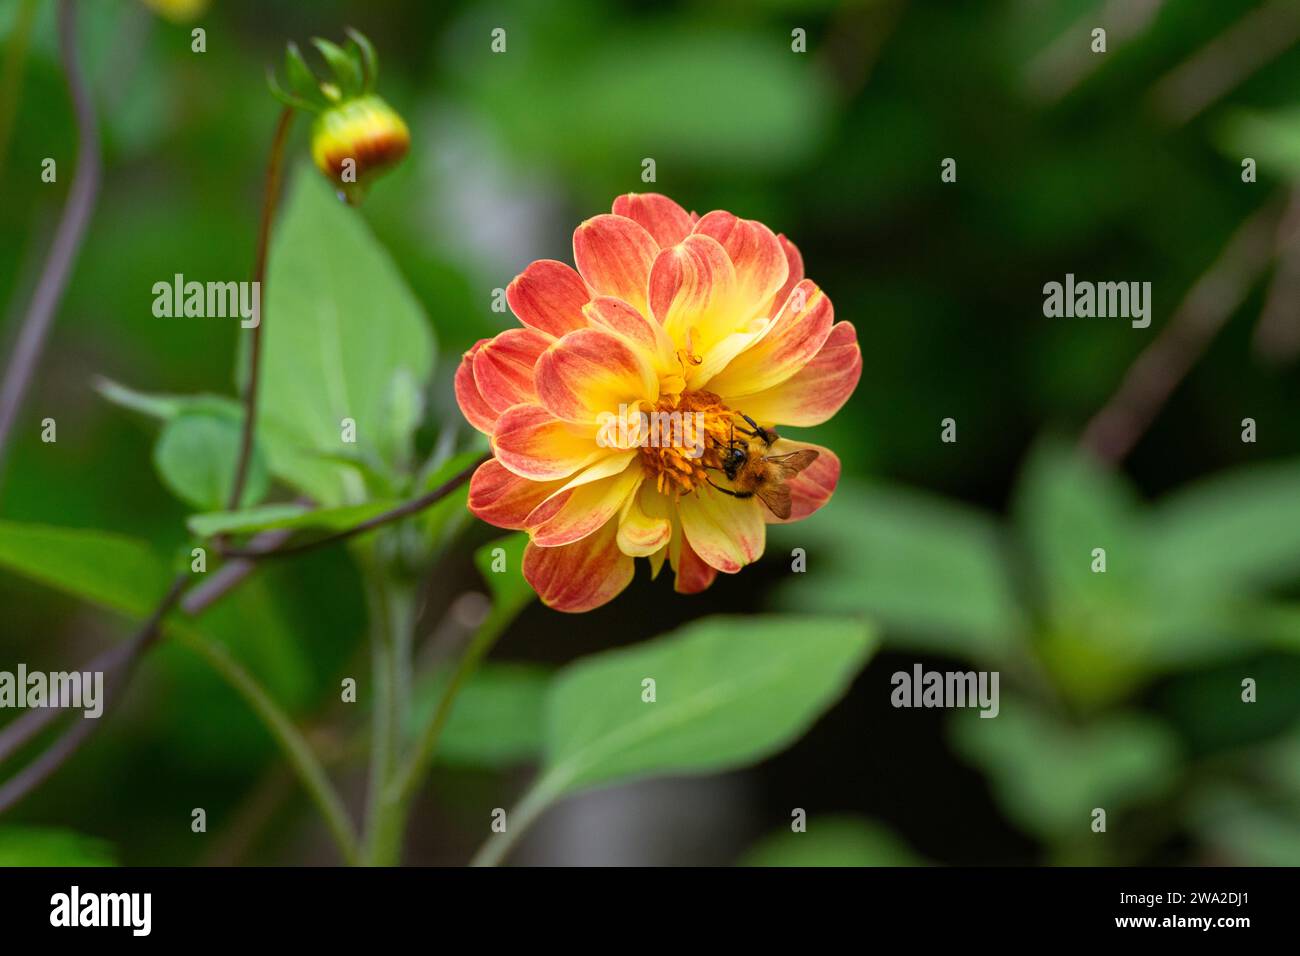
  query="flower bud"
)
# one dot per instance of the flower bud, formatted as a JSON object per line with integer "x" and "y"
{"x": 356, "y": 135}
{"x": 356, "y": 140}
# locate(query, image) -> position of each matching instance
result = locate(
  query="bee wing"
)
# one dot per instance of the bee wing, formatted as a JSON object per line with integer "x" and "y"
{"x": 776, "y": 497}
{"x": 787, "y": 466}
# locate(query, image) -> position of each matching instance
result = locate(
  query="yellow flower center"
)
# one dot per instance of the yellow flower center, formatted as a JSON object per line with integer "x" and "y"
{"x": 683, "y": 437}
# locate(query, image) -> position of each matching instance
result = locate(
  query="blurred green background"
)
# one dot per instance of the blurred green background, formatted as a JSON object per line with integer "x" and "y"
{"x": 1120, "y": 690}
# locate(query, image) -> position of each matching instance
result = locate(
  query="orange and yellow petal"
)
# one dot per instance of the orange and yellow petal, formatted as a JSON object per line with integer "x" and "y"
{"x": 816, "y": 392}
{"x": 503, "y": 367}
{"x": 644, "y": 527}
{"x": 783, "y": 349}
{"x": 667, "y": 222}
{"x": 756, "y": 255}
{"x": 649, "y": 337}
{"x": 579, "y": 576}
{"x": 582, "y": 510}
{"x": 693, "y": 294}
{"x": 614, "y": 255}
{"x": 692, "y": 574}
{"x": 549, "y": 296}
{"x": 531, "y": 442}
{"x": 472, "y": 404}
{"x": 794, "y": 264}
{"x": 727, "y": 533}
{"x": 502, "y": 498}
{"x": 590, "y": 373}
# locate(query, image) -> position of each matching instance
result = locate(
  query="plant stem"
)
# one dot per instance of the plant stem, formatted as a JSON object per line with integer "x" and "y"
{"x": 270, "y": 199}
{"x": 54, "y": 757}
{"x": 67, "y": 238}
{"x": 518, "y": 820}
{"x": 300, "y": 755}
{"x": 426, "y": 500}
{"x": 295, "y": 747}
{"x": 408, "y": 780}
{"x": 392, "y": 613}
{"x": 1160, "y": 367}
{"x": 195, "y": 602}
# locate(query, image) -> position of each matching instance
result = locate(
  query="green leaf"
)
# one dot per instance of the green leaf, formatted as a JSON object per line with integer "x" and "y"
{"x": 1242, "y": 830}
{"x": 1049, "y": 775}
{"x": 1232, "y": 533}
{"x": 281, "y": 452}
{"x": 342, "y": 333}
{"x": 1153, "y": 608}
{"x": 195, "y": 457}
{"x": 109, "y": 569}
{"x": 285, "y": 516}
{"x": 833, "y": 841}
{"x": 729, "y": 692}
{"x": 165, "y": 407}
{"x": 497, "y": 720}
{"x": 1270, "y": 138}
{"x": 125, "y": 575}
{"x": 932, "y": 572}
{"x": 1067, "y": 505}
{"x": 1101, "y": 629}
{"x": 48, "y": 846}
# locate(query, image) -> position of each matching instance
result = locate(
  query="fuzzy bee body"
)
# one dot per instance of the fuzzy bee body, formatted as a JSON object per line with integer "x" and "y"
{"x": 755, "y": 474}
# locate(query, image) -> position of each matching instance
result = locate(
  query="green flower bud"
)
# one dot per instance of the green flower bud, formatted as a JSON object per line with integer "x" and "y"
{"x": 356, "y": 136}
{"x": 353, "y": 142}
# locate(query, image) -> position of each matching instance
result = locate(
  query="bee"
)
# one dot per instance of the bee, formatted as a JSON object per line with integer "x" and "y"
{"x": 755, "y": 474}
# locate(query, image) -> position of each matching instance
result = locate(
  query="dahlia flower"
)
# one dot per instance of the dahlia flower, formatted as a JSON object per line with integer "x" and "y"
{"x": 669, "y": 316}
